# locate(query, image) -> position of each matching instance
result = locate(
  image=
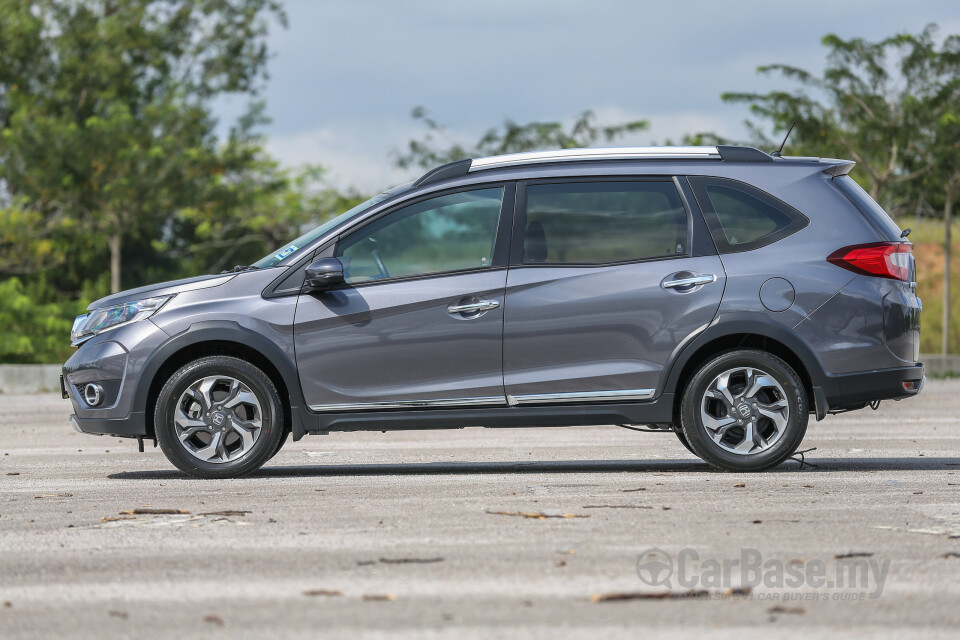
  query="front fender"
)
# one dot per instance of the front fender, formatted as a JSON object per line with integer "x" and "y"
{"x": 223, "y": 331}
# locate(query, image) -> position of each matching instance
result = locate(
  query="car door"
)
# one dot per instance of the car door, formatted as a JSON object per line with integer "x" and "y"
{"x": 420, "y": 320}
{"x": 605, "y": 283}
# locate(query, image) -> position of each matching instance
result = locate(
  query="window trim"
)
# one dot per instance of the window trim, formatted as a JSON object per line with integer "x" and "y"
{"x": 520, "y": 220}
{"x": 699, "y": 184}
{"x": 501, "y": 242}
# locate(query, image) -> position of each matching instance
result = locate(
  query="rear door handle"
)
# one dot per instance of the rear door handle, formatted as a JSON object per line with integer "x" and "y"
{"x": 689, "y": 282}
{"x": 482, "y": 305}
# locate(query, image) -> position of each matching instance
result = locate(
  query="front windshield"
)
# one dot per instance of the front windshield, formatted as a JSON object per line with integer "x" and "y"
{"x": 291, "y": 248}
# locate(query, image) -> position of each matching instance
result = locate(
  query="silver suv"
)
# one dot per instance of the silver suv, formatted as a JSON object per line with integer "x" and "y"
{"x": 720, "y": 293}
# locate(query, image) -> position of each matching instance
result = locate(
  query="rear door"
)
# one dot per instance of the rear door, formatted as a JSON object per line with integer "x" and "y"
{"x": 604, "y": 285}
{"x": 420, "y": 322}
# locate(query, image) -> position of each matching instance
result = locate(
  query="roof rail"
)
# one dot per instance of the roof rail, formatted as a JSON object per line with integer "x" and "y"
{"x": 444, "y": 171}
{"x": 726, "y": 153}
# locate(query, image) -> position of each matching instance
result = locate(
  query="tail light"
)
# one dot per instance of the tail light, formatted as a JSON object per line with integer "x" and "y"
{"x": 880, "y": 259}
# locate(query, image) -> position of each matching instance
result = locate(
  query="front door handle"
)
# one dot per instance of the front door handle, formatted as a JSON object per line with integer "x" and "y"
{"x": 689, "y": 282}
{"x": 482, "y": 305}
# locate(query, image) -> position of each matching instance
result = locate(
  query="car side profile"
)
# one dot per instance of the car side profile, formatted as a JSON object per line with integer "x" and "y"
{"x": 721, "y": 293}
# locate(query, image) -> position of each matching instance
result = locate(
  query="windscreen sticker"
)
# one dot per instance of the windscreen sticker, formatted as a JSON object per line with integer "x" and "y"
{"x": 283, "y": 254}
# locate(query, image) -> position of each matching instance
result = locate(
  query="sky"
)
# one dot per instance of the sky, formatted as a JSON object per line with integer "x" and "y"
{"x": 345, "y": 75}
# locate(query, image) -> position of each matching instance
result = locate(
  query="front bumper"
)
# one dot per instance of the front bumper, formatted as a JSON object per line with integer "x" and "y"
{"x": 131, "y": 426}
{"x": 113, "y": 360}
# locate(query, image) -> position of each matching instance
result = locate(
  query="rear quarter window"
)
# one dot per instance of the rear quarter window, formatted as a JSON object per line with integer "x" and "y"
{"x": 884, "y": 225}
{"x": 742, "y": 217}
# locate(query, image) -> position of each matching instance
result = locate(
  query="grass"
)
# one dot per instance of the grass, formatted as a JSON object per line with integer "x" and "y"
{"x": 927, "y": 238}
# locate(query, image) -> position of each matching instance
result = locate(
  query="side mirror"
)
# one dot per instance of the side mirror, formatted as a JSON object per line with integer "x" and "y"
{"x": 324, "y": 274}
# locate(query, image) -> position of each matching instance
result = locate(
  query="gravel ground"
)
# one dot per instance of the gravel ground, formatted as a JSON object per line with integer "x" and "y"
{"x": 421, "y": 534}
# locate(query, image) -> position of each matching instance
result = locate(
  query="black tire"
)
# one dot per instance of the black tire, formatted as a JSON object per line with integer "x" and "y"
{"x": 271, "y": 429}
{"x": 683, "y": 440}
{"x": 283, "y": 441}
{"x": 704, "y": 446}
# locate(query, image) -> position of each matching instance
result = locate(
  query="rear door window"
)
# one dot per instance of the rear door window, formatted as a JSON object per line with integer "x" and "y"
{"x": 603, "y": 222}
{"x": 742, "y": 217}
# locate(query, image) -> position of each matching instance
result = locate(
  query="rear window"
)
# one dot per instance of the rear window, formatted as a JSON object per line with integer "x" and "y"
{"x": 867, "y": 206}
{"x": 603, "y": 222}
{"x": 742, "y": 217}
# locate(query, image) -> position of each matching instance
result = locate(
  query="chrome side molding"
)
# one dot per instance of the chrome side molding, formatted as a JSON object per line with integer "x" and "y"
{"x": 411, "y": 404}
{"x": 581, "y": 396}
{"x": 511, "y": 400}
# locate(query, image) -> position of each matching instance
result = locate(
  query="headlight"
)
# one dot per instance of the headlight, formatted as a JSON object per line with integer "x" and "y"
{"x": 100, "y": 320}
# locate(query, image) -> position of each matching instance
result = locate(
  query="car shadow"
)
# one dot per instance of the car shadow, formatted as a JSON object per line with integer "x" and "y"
{"x": 817, "y": 465}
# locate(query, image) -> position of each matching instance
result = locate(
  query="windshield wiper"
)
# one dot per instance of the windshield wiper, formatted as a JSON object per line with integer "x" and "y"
{"x": 239, "y": 268}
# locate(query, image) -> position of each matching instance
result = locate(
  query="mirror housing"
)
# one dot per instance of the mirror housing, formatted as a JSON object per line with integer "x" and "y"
{"x": 324, "y": 274}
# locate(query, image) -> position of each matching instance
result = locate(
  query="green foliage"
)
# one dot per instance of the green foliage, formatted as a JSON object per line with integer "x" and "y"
{"x": 436, "y": 147}
{"x": 32, "y": 331}
{"x": 105, "y": 124}
{"x": 872, "y": 104}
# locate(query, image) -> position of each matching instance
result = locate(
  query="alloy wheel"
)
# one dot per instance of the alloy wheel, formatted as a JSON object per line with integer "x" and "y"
{"x": 218, "y": 419}
{"x": 745, "y": 410}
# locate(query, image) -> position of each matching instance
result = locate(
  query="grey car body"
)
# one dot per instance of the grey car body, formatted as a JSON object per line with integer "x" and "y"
{"x": 564, "y": 344}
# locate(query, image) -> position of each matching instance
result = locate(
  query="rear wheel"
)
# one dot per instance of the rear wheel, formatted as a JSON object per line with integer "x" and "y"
{"x": 744, "y": 410}
{"x": 219, "y": 417}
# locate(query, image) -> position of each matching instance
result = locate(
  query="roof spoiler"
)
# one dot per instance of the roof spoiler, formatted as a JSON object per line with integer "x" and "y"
{"x": 841, "y": 168}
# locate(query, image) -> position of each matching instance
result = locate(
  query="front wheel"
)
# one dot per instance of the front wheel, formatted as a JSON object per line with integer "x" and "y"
{"x": 744, "y": 410}
{"x": 219, "y": 417}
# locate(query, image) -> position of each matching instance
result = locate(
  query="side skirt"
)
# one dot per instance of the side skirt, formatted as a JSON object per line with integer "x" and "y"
{"x": 541, "y": 415}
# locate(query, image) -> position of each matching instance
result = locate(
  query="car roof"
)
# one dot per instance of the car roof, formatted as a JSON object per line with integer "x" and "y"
{"x": 619, "y": 160}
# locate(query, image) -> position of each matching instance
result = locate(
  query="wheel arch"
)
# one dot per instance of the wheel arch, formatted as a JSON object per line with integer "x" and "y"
{"x": 736, "y": 331}
{"x": 220, "y": 338}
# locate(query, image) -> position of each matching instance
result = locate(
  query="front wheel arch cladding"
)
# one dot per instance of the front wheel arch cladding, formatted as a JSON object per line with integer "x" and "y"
{"x": 223, "y": 338}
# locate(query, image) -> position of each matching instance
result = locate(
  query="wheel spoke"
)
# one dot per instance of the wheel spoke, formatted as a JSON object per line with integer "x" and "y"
{"x": 759, "y": 440}
{"x": 747, "y": 444}
{"x": 222, "y": 449}
{"x": 717, "y": 423}
{"x": 187, "y": 433}
{"x": 241, "y": 397}
{"x": 722, "y": 385}
{"x": 210, "y": 450}
{"x": 762, "y": 381}
{"x": 777, "y": 415}
{"x": 182, "y": 420}
{"x": 245, "y": 430}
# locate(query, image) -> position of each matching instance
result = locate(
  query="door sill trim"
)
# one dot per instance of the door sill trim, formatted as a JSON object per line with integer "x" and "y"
{"x": 411, "y": 404}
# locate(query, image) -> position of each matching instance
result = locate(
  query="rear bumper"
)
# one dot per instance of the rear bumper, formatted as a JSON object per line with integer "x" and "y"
{"x": 130, "y": 426}
{"x": 850, "y": 390}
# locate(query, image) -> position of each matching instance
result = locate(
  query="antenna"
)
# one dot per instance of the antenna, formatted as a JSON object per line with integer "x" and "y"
{"x": 779, "y": 152}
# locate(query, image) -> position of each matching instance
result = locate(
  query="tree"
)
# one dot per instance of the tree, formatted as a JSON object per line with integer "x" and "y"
{"x": 941, "y": 149}
{"x": 864, "y": 107}
{"x": 436, "y": 147}
{"x": 105, "y": 123}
